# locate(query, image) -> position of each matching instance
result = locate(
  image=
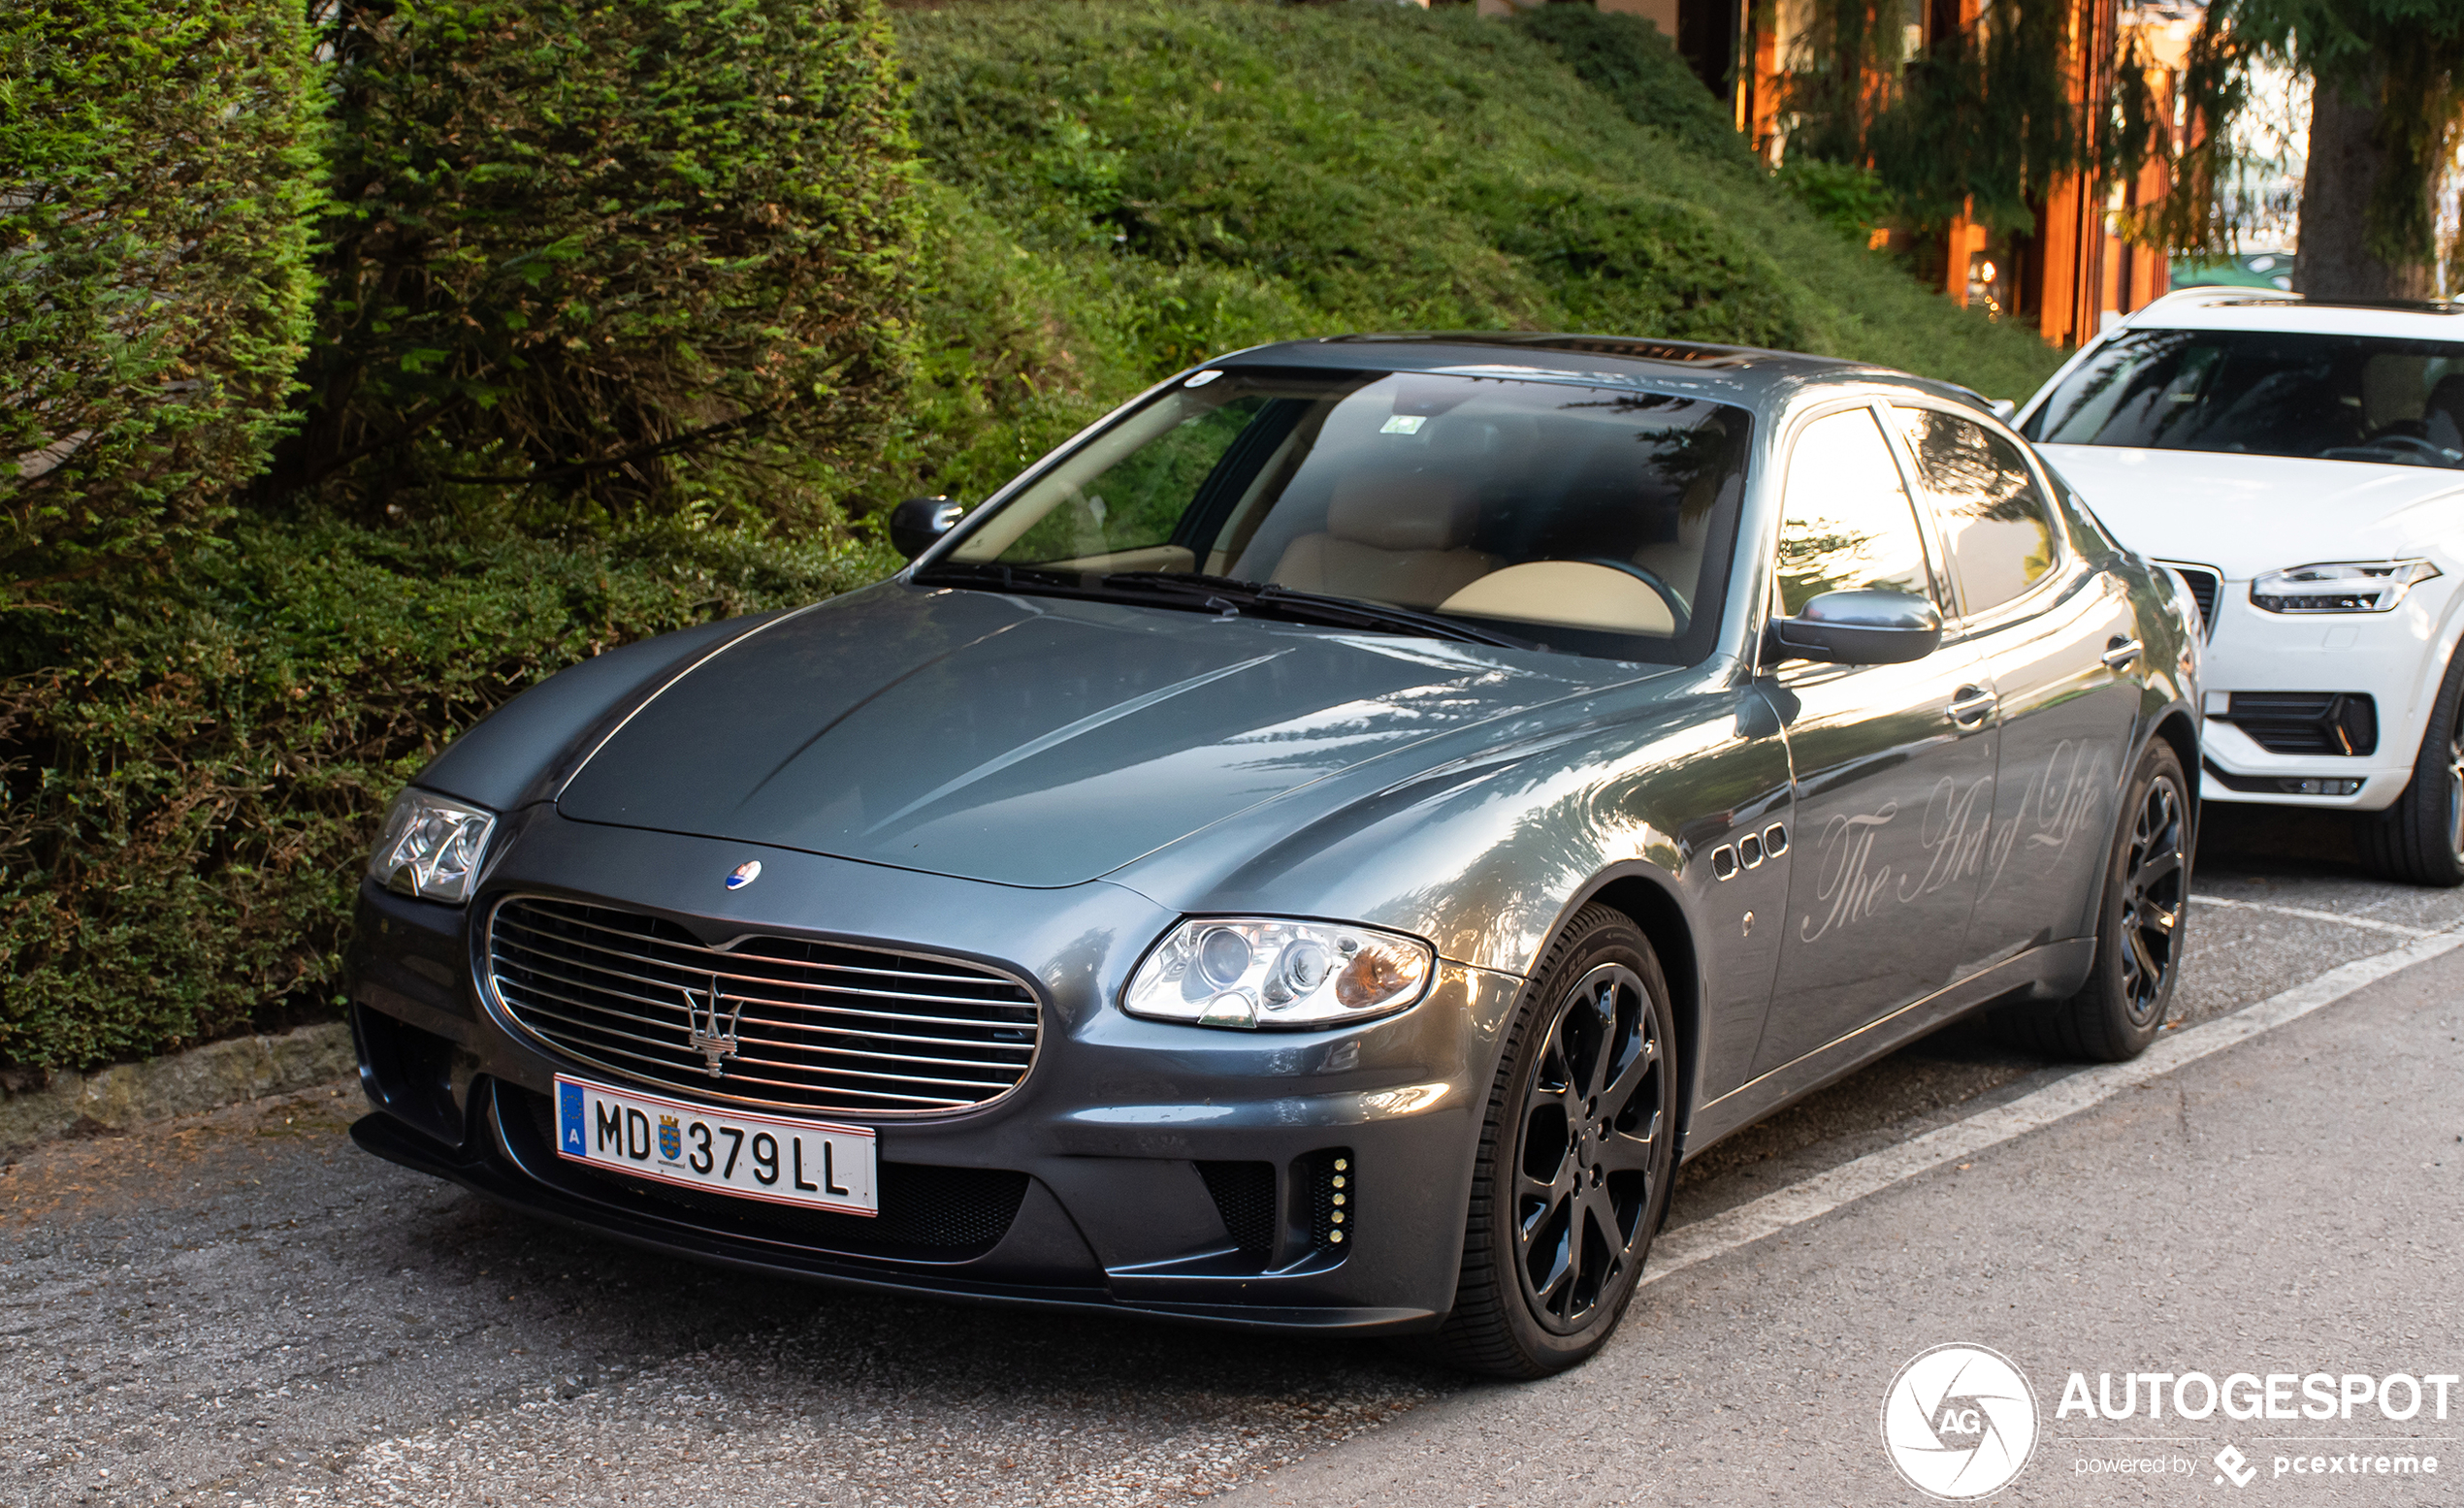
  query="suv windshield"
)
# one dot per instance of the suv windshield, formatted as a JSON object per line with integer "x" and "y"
{"x": 1589, "y": 520}
{"x": 2264, "y": 393}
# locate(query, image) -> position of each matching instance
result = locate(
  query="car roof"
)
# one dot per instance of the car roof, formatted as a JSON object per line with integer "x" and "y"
{"x": 2261, "y": 308}
{"x": 1747, "y": 376}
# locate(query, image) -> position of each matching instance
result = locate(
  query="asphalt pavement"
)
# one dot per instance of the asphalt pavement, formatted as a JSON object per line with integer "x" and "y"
{"x": 242, "y": 1308}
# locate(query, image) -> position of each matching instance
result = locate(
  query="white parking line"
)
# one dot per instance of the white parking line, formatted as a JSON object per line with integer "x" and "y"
{"x": 1681, "y": 1248}
{"x": 2307, "y": 914}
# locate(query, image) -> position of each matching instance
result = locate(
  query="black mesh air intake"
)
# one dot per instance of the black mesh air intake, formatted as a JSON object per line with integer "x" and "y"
{"x": 2306, "y": 723}
{"x": 1245, "y": 1197}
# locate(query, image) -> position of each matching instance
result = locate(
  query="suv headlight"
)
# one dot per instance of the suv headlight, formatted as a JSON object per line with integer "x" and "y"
{"x": 432, "y": 846}
{"x": 1246, "y": 974}
{"x": 2350, "y": 586}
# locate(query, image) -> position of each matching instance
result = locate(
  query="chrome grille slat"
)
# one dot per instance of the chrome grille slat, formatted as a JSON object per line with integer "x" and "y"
{"x": 703, "y": 950}
{"x": 587, "y": 979}
{"x": 783, "y": 1005}
{"x": 698, "y": 973}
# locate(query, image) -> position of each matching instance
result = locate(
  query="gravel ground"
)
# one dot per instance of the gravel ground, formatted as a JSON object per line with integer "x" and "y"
{"x": 244, "y": 1308}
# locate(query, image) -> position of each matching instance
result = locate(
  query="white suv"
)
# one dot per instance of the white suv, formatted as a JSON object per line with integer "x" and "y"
{"x": 2302, "y": 465}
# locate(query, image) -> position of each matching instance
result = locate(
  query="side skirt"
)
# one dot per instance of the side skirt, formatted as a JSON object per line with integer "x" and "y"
{"x": 2050, "y": 972}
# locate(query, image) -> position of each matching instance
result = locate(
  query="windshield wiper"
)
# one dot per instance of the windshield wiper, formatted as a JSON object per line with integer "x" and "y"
{"x": 1195, "y": 591}
{"x": 1267, "y": 599}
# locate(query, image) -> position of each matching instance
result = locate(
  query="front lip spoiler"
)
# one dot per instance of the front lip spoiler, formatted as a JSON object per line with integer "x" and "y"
{"x": 487, "y": 1175}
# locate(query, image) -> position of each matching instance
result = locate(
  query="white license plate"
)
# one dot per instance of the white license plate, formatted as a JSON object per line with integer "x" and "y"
{"x": 765, "y": 1157}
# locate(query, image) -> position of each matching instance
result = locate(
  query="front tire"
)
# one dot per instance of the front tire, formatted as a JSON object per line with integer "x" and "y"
{"x": 2420, "y": 839}
{"x": 2139, "y": 928}
{"x": 1574, "y": 1161}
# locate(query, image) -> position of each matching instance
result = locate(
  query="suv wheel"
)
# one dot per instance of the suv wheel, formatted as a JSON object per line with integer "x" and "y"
{"x": 2420, "y": 839}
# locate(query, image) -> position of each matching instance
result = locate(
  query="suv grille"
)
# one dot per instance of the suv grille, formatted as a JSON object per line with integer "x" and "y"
{"x": 2203, "y": 584}
{"x": 798, "y": 1025}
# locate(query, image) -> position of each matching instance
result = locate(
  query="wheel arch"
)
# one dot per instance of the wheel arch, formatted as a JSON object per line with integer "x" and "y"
{"x": 1642, "y": 898}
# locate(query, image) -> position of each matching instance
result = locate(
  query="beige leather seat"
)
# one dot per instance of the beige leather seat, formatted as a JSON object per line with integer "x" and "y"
{"x": 1569, "y": 595}
{"x": 1400, "y": 537}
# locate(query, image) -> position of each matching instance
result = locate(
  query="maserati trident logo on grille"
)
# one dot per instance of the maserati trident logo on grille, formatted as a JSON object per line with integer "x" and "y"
{"x": 704, "y": 1031}
{"x": 744, "y": 873}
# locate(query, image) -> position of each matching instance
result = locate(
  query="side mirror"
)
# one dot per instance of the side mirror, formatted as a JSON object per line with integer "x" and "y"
{"x": 914, "y": 524}
{"x": 1869, "y": 627}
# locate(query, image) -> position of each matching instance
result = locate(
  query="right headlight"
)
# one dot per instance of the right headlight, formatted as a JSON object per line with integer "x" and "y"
{"x": 432, "y": 846}
{"x": 2341, "y": 586}
{"x": 1246, "y": 972}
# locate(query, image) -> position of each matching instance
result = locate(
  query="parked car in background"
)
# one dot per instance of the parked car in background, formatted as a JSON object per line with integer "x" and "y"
{"x": 2302, "y": 465}
{"x": 1315, "y": 852}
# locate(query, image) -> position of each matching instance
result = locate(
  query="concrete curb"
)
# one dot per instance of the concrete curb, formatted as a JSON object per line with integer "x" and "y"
{"x": 186, "y": 1083}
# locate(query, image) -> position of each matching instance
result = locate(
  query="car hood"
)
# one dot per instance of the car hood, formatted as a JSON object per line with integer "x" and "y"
{"x": 2248, "y": 515}
{"x": 1031, "y": 741}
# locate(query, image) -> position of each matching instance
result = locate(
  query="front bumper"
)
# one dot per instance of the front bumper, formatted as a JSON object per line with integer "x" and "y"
{"x": 2390, "y": 658}
{"x": 1126, "y": 1172}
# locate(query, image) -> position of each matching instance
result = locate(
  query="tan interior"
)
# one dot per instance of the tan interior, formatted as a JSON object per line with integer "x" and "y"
{"x": 1569, "y": 595}
{"x": 1151, "y": 557}
{"x": 1390, "y": 537}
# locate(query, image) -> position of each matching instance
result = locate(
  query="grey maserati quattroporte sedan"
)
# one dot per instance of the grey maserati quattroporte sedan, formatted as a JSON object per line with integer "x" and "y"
{"x": 1315, "y": 852}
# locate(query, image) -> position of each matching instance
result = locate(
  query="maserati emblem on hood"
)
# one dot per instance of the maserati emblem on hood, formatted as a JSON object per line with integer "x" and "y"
{"x": 744, "y": 873}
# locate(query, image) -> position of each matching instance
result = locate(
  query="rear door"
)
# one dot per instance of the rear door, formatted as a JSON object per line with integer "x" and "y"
{"x": 2057, "y": 638}
{"x": 1893, "y": 764}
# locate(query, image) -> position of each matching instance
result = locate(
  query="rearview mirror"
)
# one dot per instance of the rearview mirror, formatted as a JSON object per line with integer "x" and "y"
{"x": 914, "y": 524}
{"x": 1864, "y": 628}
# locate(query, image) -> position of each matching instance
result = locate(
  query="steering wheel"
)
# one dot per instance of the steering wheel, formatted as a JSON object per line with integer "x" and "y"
{"x": 1679, "y": 614}
{"x": 2430, "y": 452}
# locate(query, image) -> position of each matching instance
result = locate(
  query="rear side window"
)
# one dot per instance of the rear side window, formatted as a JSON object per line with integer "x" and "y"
{"x": 1848, "y": 523}
{"x": 1996, "y": 523}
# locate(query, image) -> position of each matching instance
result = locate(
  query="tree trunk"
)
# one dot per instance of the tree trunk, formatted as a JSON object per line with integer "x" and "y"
{"x": 2346, "y": 163}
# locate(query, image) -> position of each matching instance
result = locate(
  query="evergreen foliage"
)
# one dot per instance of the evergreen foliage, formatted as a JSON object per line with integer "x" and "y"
{"x": 193, "y": 775}
{"x": 1125, "y": 185}
{"x": 611, "y": 256}
{"x": 158, "y": 184}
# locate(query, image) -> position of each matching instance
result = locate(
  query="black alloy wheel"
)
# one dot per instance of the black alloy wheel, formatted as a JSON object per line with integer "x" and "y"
{"x": 2156, "y": 871}
{"x": 2420, "y": 840}
{"x": 1576, "y": 1157}
{"x": 2140, "y": 928}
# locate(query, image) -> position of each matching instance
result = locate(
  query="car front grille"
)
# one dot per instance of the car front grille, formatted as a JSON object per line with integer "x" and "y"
{"x": 2306, "y": 722}
{"x": 788, "y": 1023}
{"x": 2204, "y": 585}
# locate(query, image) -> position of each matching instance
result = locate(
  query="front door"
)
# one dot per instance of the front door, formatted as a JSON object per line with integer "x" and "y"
{"x": 2059, "y": 646}
{"x": 1893, "y": 764}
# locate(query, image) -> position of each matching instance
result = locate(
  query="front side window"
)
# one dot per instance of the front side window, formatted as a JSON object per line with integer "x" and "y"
{"x": 2266, "y": 393}
{"x": 1996, "y": 525}
{"x": 1588, "y": 520}
{"x": 1847, "y": 522}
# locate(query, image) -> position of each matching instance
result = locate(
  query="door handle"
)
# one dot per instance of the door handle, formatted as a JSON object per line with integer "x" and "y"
{"x": 2119, "y": 652}
{"x": 1972, "y": 704}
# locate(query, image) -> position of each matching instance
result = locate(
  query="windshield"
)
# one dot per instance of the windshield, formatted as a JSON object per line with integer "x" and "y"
{"x": 1588, "y": 520}
{"x": 2262, "y": 393}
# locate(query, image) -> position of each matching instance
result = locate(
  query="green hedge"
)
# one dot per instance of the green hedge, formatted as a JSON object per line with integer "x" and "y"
{"x": 196, "y": 771}
{"x": 1123, "y": 186}
{"x": 608, "y": 258}
{"x": 157, "y": 184}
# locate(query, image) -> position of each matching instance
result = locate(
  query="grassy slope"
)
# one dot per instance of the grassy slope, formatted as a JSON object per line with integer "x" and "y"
{"x": 1118, "y": 187}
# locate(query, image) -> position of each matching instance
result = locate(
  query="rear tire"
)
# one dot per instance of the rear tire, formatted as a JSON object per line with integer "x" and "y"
{"x": 2139, "y": 928}
{"x": 2420, "y": 839}
{"x": 1575, "y": 1158}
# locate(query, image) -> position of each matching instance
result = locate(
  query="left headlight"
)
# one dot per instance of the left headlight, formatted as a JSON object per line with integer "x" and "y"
{"x": 1249, "y": 972}
{"x": 432, "y": 846}
{"x": 2344, "y": 587}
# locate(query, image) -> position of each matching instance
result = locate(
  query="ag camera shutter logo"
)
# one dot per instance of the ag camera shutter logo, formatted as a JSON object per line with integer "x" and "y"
{"x": 1960, "y": 1422}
